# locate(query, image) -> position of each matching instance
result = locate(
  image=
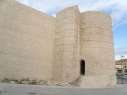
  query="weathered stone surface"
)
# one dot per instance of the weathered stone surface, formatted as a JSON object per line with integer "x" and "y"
{"x": 26, "y": 38}
{"x": 40, "y": 47}
{"x": 67, "y": 45}
{"x": 97, "y": 48}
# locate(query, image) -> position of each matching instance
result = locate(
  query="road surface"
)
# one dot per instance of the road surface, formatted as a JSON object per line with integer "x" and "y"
{"x": 15, "y": 89}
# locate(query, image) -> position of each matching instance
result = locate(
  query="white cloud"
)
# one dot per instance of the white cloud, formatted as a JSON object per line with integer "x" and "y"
{"x": 119, "y": 52}
{"x": 118, "y": 57}
{"x": 49, "y": 6}
{"x": 118, "y": 8}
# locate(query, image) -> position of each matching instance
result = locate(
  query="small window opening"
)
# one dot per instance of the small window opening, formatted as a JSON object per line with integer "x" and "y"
{"x": 82, "y": 67}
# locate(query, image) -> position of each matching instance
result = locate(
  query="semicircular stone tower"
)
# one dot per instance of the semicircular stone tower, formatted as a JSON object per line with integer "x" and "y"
{"x": 96, "y": 48}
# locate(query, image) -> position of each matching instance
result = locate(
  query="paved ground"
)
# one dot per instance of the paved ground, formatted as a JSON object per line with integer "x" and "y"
{"x": 12, "y": 89}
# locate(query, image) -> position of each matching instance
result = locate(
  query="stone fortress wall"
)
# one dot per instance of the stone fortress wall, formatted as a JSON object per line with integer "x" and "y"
{"x": 27, "y": 39}
{"x": 37, "y": 46}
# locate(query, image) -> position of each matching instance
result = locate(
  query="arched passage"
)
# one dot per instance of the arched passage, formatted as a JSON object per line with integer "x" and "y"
{"x": 82, "y": 67}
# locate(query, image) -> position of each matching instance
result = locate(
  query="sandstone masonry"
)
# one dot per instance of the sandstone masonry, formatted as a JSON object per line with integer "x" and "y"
{"x": 72, "y": 47}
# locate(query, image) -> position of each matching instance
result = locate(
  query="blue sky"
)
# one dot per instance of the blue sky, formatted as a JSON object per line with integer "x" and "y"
{"x": 116, "y": 8}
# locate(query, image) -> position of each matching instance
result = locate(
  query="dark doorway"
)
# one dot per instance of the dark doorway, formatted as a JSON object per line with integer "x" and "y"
{"x": 82, "y": 67}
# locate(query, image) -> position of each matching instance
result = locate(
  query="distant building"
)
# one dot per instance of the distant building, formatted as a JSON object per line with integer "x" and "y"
{"x": 121, "y": 66}
{"x": 69, "y": 47}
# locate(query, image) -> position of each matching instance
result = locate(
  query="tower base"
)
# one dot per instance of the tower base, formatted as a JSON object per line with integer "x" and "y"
{"x": 97, "y": 81}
